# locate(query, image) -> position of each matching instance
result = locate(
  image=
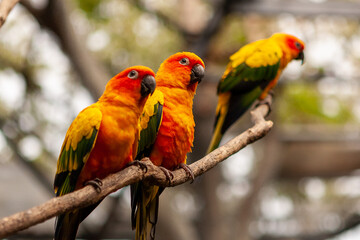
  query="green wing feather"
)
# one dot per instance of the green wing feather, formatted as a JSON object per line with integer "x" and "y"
{"x": 253, "y": 65}
{"x": 79, "y": 141}
{"x": 145, "y": 199}
{"x": 71, "y": 163}
{"x": 248, "y": 73}
{"x": 150, "y": 121}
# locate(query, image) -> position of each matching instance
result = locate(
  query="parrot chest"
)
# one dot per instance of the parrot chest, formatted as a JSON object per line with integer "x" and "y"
{"x": 113, "y": 147}
{"x": 175, "y": 136}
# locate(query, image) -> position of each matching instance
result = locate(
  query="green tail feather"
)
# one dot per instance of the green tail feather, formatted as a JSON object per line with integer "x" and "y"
{"x": 66, "y": 226}
{"x": 144, "y": 210}
{"x": 217, "y": 135}
{"x": 238, "y": 105}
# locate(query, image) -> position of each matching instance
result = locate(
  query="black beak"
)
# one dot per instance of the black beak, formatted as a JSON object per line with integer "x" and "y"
{"x": 148, "y": 85}
{"x": 197, "y": 74}
{"x": 301, "y": 57}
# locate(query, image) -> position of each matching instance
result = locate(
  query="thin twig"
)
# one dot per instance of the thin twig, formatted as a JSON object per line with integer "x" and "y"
{"x": 5, "y": 7}
{"x": 87, "y": 195}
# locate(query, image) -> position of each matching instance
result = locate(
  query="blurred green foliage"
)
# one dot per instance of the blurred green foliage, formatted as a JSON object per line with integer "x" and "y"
{"x": 89, "y": 7}
{"x": 301, "y": 103}
{"x": 132, "y": 36}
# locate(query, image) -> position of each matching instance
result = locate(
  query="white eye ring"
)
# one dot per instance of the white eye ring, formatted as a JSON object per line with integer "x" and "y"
{"x": 133, "y": 74}
{"x": 297, "y": 45}
{"x": 184, "y": 61}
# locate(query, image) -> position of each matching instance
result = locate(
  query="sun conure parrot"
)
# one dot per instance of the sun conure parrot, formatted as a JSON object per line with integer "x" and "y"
{"x": 167, "y": 134}
{"x": 251, "y": 73}
{"x": 101, "y": 140}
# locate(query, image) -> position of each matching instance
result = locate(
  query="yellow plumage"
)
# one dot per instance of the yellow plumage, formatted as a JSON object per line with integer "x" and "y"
{"x": 250, "y": 74}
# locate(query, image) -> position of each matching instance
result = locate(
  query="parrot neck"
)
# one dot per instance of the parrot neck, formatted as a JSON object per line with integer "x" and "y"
{"x": 180, "y": 95}
{"x": 165, "y": 78}
{"x": 119, "y": 99}
{"x": 287, "y": 55}
{"x": 177, "y": 118}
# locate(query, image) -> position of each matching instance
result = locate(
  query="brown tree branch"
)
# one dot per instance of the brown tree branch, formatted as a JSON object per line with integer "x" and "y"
{"x": 55, "y": 17}
{"x": 162, "y": 17}
{"x": 5, "y": 7}
{"x": 87, "y": 195}
{"x": 200, "y": 44}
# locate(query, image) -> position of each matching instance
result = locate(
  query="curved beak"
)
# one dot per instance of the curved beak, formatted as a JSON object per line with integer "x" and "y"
{"x": 148, "y": 85}
{"x": 301, "y": 57}
{"x": 197, "y": 74}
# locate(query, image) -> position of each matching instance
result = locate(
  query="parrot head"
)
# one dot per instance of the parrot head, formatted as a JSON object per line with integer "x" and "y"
{"x": 182, "y": 70}
{"x": 292, "y": 44}
{"x": 134, "y": 82}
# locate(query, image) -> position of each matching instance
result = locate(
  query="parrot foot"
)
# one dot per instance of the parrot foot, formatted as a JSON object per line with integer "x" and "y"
{"x": 188, "y": 171}
{"x": 169, "y": 175}
{"x": 96, "y": 183}
{"x": 140, "y": 164}
{"x": 267, "y": 102}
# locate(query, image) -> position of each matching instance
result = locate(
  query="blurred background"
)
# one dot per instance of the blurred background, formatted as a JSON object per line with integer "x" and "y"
{"x": 300, "y": 182}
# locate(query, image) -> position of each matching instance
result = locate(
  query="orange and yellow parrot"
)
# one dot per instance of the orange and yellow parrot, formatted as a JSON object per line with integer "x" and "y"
{"x": 251, "y": 73}
{"x": 101, "y": 140}
{"x": 167, "y": 133}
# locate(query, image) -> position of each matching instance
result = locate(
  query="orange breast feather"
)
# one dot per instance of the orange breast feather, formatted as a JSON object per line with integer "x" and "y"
{"x": 113, "y": 147}
{"x": 176, "y": 133}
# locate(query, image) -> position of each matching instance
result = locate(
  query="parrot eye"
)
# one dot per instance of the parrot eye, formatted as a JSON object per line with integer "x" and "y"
{"x": 133, "y": 74}
{"x": 298, "y": 45}
{"x": 184, "y": 61}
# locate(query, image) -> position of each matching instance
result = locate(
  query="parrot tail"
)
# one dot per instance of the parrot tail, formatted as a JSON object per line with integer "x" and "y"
{"x": 230, "y": 108}
{"x": 144, "y": 210}
{"x": 66, "y": 226}
{"x": 217, "y": 135}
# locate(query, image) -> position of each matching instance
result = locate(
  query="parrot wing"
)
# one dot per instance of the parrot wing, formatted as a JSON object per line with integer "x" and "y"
{"x": 254, "y": 65}
{"x": 150, "y": 121}
{"x": 79, "y": 141}
{"x": 75, "y": 151}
